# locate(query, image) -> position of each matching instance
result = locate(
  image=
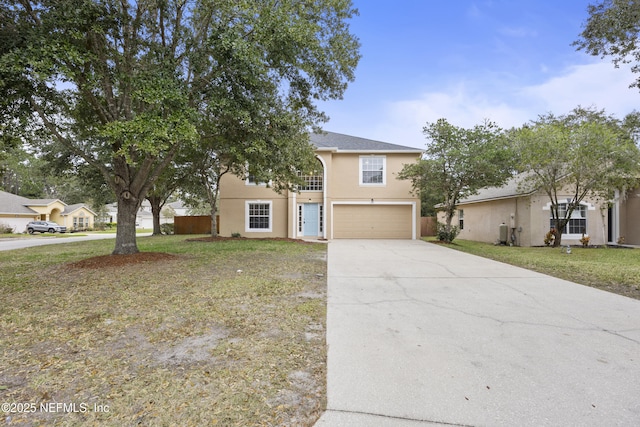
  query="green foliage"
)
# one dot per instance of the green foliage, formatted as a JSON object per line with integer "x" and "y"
{"x": 446, "y": 233}
{"x": 126, "y": 86}
{"x": 166, "y": 228}
{"x": 613, "y": 29}
{"x": 583, "y": 154}
{"x": 458, "y": 162}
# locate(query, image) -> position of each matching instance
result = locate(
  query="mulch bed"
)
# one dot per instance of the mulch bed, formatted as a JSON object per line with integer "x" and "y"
{"x": 122, "y": 260}
{"x": 224, "y": 239}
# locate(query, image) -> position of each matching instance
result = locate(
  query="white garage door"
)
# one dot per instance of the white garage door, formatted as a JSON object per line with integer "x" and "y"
{"x": 372, "y": 222}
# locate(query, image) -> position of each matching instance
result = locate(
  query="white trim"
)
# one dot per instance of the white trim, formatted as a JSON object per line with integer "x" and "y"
{"x": 294, "y": 209}
{"x": 325, "y": 188}
{"x": 414, "y": 212}
{"x": 589, "y": 206}
{"x": 246, "y": 216}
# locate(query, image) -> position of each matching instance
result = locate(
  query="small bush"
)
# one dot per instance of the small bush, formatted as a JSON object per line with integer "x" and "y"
{"x": 235, "y": 235}
{"x": 447, "y": 236}
{"x": 5, "y": 228}
{"x": 550, "y": 237}
{"x": 166, "y": 228}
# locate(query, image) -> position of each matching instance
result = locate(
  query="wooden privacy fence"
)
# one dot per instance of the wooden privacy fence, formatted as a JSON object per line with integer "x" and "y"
{"x": 427, "y": 226}
{"x": 200, "y": 224}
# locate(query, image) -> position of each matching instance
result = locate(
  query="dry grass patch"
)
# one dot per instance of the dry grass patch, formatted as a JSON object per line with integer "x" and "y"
{"x": 175, "y": 336}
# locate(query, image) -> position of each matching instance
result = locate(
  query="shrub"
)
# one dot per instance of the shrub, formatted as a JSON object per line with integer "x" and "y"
{"x": 235, "y": 235}
{"x": 447, "y": 236}
{"x": 5, "y": 228}
{"x": 166, "y": 228}
{"x": 549, "y": 238}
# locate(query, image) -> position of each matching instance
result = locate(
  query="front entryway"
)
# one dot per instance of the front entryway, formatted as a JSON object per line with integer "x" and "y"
{"x": 309, "y": 219}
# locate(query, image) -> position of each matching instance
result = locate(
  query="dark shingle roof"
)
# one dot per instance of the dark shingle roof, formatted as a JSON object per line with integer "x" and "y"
{"x": 12, "y": 204}
{"x": 343, "y": 142}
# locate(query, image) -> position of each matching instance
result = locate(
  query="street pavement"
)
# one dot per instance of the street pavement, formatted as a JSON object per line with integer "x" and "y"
{"x": 18, "y": 243}
{"x": 420, "y": 335}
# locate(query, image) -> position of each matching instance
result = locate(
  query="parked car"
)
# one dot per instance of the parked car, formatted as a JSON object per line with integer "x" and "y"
{"x": 45, "y": 226}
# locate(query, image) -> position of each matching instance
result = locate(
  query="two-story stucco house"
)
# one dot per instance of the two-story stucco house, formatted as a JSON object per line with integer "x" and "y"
{"x": 354, "y": 194}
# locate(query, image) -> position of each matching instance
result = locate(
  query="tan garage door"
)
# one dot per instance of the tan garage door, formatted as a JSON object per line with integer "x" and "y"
{"x": 372, "y": 222}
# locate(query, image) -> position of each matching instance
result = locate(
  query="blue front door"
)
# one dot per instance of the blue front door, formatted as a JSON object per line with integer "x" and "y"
{"x": 310, "y": 219}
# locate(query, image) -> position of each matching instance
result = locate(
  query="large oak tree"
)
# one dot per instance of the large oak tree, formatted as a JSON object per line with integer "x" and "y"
{"x": 124, "y": 84}
{"x": 613, "y": 30}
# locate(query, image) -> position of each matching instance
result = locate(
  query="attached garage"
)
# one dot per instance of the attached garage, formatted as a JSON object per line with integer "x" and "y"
{"x": 373, "y": 221}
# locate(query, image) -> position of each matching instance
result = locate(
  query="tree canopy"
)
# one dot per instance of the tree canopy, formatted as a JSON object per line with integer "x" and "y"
{"x": 127, "y": 85}
{"x": 458, "y": 162}
{"x": 613, "y": 29}
{"x": 584, "y": 153}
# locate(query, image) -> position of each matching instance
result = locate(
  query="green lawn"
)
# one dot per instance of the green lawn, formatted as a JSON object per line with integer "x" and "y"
{"x": 612, "y": 269}
{"x": 229, "y": 332}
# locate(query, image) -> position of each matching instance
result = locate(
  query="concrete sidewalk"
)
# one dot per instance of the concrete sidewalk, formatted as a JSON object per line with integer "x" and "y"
{"x": 420, "y": 334}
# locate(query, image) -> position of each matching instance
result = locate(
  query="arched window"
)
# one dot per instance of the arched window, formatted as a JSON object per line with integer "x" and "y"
{"x": 313, "y": 181}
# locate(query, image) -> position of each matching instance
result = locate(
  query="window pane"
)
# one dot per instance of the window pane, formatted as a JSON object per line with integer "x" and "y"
{"x": 258, "y": 215}
{"x": 372, "y": 170}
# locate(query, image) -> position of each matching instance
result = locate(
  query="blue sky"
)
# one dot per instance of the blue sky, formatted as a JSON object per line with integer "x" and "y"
{"x": 504, "y": 60}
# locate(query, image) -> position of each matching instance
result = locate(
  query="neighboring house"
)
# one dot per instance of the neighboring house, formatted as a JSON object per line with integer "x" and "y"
{"x": 353, "y": 194}
{"x": 144, "y": 218}
{"x": 624, "y": 218}
{"x": 528, "y": 217}
{"x": 17, "y": 211}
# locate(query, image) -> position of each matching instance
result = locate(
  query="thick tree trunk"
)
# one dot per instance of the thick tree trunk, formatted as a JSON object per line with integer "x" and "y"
{"x": 156, "y": 209}
{"x": 126, "y": 227}
{"x": 558, "y": 238}
{"x": 214, "y": 222}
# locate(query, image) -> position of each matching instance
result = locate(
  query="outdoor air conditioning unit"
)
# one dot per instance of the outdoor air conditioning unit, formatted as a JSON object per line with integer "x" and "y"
{"x": 504, "y": 234}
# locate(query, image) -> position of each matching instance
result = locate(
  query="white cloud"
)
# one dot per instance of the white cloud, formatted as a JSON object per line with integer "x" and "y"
{"x": 466, "y": 104}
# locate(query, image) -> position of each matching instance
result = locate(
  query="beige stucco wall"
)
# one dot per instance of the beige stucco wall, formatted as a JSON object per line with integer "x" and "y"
{"x": 531, "y": 221}
{"x": 342, "y": 185}
{"x": 51, "y": 212}
{"x": 68, "y": 220}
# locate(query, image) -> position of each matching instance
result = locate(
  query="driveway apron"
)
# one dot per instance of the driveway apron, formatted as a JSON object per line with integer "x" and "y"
{"x": 420, "y": 334}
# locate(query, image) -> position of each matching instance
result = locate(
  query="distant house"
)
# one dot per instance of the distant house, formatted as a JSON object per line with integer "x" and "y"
{"x": 527, "y": 215}
{"x": 144, "y": 217}
{"x": 624, "y": 218}
{"x": 17, "y": 211}
{"x": 353, "y": 194}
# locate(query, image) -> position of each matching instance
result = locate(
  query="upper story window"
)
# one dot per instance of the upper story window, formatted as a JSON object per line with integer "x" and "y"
{"x": 373, "y": 170}
{"x": 313, "y": 181}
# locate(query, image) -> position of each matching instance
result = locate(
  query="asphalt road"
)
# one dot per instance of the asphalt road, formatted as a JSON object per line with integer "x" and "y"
{"x": 18, "y": 243}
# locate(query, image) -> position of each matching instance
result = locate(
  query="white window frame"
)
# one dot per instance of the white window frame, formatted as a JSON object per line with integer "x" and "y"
{"x": 247, "y": 216}
{"x": 361, "y": 170}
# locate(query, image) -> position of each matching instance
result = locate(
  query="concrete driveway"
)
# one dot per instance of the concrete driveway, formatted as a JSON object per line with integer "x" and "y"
{"x": 420, "y": 334}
